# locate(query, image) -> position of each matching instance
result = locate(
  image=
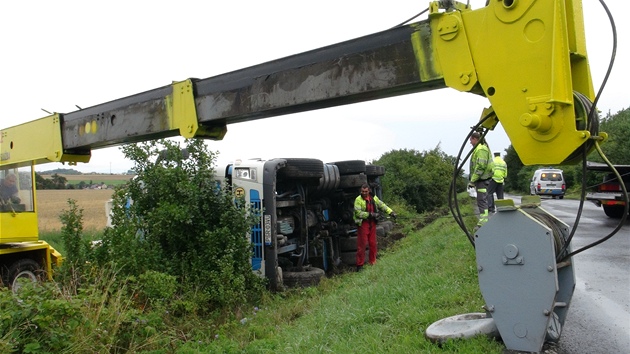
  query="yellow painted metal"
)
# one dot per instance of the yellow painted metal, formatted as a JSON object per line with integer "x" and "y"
{"x": 428, "y": 67}
{"x": 20, "y": 226}
{"x": 183, "y": 113}
{"x": 527, "y": 57}
{"x": 40, "y": 251}
{"x": 453, "y": 49}
{"x": 38, "y": 141}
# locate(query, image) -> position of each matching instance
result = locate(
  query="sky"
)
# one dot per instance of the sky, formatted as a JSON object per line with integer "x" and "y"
{"x": 57, "y": 55}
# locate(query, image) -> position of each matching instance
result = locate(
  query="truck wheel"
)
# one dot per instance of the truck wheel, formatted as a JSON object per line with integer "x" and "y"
{"x": 352, "y": 181}
{"x": 310, "y": 276}
{"x": 350, "y": 167}
{"x": 330, "y": 179}
{"x": 349, "y": 244}
{"x": 387, "y": 225}
{"x": 23, "y": 269}
{"x": 302, "y": 168}
{"x": 373, "y": 170}
{"x": 614, "y": 211}
{"x": 350, "y": 257}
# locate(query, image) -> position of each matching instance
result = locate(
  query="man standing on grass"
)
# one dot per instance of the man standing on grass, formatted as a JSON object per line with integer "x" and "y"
{"x": 480, "y": 175}
{"x": 366, "y": 212}
{"x": 499, "y": 172}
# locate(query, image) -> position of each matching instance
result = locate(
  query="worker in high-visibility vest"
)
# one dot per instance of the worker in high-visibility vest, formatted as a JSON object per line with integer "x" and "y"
{"x": 496, "y": 183}
{"x": 366, "y": 213}
{"x": 480, "y": 175}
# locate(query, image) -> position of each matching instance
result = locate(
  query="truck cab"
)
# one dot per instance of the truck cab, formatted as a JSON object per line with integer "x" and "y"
{"x": 22, "y": 254}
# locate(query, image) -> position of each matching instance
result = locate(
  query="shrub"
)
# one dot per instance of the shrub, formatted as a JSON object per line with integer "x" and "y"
{"x": 173, "y": 219}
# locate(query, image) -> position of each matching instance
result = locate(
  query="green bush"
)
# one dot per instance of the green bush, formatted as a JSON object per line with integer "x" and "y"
{"x": 174, "y": 219}
{"x": 37, "y": 320}
{"x": 76, "y": 247}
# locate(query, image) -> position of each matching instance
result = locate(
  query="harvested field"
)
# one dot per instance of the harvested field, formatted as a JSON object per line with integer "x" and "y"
{"x": 51, "y": 203}
{"x": 111, "y": 180}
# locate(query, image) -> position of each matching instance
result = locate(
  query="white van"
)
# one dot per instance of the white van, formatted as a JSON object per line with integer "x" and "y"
{"x": 548, "y": 181}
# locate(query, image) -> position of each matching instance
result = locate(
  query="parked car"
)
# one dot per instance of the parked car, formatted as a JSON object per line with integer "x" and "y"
{"x": 548, "y": 181}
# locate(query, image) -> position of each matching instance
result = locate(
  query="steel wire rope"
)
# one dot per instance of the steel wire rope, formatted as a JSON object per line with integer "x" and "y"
{"x": 622, "y": 175}
{"x": 418, "y": 14}
{"x": 556, "y": 232}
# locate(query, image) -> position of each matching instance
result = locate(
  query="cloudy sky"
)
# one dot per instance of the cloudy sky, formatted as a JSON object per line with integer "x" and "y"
{"x": 58, "y": 54}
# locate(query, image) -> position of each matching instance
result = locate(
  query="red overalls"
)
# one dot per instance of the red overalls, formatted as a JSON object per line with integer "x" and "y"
{"x": 366, "y": 233}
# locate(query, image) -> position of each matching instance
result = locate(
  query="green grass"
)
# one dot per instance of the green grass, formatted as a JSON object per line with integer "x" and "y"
{"x": 429, "y": 275}
{"x": 55, "y": 240}
{"x": 426, "y": 276}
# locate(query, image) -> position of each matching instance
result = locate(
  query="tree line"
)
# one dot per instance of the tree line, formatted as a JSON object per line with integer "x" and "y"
{"x": 57, "y": 181}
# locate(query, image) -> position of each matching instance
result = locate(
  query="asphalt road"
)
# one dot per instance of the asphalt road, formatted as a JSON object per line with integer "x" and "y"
{"x": 598, "y": 320}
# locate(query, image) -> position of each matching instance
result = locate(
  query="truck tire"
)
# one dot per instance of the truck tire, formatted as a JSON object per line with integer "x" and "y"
{"x": 350, "y": 257}
{"x": 613, "y": 211}
{"x": 309, "y": 277}
{"x": 374, "y": 170}
{"x": 23, "y": 269}
{"x": 330, "y": 179}
{"x": 352, "y": 181}
{"x": 350, "y": 167}
{"x": 302, "y": 168}
{"x": 387, "y": 225}
{"x": 348, "y": 244}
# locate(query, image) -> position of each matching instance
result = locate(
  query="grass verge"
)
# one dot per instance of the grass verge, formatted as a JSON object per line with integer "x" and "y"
{"x": 427, "y": 276}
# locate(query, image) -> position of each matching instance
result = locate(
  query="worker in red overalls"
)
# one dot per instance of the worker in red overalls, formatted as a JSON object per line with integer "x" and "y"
{"x": 366, "y": 213}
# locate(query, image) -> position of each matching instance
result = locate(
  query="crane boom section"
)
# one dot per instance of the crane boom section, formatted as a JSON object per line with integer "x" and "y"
{"x": 527, "y": 57}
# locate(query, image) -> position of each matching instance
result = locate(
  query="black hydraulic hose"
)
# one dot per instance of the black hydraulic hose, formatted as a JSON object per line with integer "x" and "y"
{"x": 452, "y": 193}
{"x": 592, "y": 116}
{"x": 613, "y": 27}
{"x": 452, "y": 196}
{"x": 453, "y": 190}
{"x": 578, "y": 216}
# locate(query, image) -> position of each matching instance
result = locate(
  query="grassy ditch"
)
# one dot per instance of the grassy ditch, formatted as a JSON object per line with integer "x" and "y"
{"x": 427, "y": 275}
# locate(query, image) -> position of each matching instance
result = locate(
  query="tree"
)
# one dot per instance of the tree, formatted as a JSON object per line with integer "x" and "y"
{"x": 174, "y": 219}
{"x": 55, "y": 182}
{"x": 39, "y": 181}
{"x": 58, "y": 182}
{"x": 616, "y": 148}
{"x": 519, "y": 175}
{"x": 421, "y": 179}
